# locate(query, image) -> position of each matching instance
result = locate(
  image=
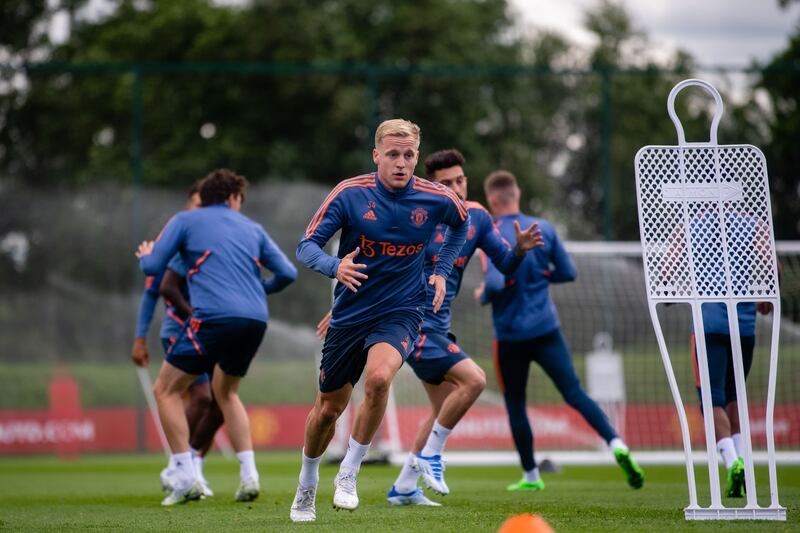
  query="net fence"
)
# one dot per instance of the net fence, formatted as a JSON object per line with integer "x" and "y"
{"x": 71, "y": 290}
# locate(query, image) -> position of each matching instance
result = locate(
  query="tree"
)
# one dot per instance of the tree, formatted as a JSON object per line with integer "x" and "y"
{"x": 780, "y": 79}
{"x": 285, "y": 122}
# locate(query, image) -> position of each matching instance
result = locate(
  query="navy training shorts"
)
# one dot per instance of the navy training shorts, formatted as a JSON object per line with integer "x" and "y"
{"x": 720, "y": 366}
{"x": 230, "y": 343}
{"x": 167, "y": 345}
{"x": 435, "y": 355}
{"x": 344, "y": 353}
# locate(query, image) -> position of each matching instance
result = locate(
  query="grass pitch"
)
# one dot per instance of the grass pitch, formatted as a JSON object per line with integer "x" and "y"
{"x": 120, "y": 493}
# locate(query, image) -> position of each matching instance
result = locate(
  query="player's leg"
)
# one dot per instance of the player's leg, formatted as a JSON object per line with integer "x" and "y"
{"x": 718, "y": 350}
{"x": 319, "y": 429}
{"x": 512, "y": 364}
{"x": 171, "y": 383}
{"x": 233, "y": 343}
{"x": 199, "y": 403}
{"x": 383, "y": 362}
{"x": 226, "y": 391}
{"x": 553, "y": 355}
{"x": 343, "y": 360}
{"x": 734, "y": 486}
{"x": 469, "y": 381}
{"x": 202, "y": 433}
{"x": 404, "y": 491}
{"x": 732, "y": 407}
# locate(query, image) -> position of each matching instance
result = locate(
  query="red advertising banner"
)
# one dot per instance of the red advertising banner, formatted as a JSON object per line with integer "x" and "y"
{"x": 281, "y": 427}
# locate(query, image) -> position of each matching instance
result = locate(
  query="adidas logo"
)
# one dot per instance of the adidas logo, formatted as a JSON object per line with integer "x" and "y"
{"x": 439, "y": 237}
{"x": 370, "y": 215}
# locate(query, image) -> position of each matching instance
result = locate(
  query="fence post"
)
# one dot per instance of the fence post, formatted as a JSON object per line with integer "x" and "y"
{"x": 373, "y": 92}
{"x": 606, "y": 129}
{"x": 136, "y": 219}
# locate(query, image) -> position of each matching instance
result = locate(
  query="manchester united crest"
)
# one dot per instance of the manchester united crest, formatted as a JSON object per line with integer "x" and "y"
{"x": 419, "y": 216}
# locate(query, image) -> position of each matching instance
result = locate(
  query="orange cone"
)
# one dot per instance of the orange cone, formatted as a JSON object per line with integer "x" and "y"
{"x": 525, "y": 523}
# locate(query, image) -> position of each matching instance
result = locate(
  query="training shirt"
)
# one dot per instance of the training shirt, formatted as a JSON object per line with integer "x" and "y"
{"x": 392, "y": 228}
{"x": 521, "y": 305}
{"x": 742, "y": 231}
{"x": 224, "y": 252}
{"x": 481, "y": 234}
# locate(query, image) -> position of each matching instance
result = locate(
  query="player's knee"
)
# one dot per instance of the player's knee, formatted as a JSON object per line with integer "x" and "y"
{"x": 328, "y": 412}
{"x": 159, "y": 389}
{"x": 476, "y": 382}
{"x": 377, "y": 385}
{"x": 574, "y": 396}
{"x": 202, "y": 401}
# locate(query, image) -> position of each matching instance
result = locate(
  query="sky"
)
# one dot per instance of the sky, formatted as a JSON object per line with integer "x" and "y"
{"x": 714, "y": 32}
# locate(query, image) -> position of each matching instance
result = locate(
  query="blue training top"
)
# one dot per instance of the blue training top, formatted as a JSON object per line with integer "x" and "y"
{"x": 224, "y": 252}
{"x": 742, "y": 231}
{"x": 392, "y": 228}
{"x": 147, "y": 304}
{"x": 521, "y": 304}
{"x": 481, "y": 234}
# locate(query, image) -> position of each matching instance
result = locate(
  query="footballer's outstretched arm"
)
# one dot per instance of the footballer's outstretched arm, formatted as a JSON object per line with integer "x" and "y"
{"x": 564, "y": 269}
{"x": 494, "y": 282}
{"x": 506, "y": 258}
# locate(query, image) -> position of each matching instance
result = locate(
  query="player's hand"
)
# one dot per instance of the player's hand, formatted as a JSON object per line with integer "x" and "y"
{"x": 348, "y": 272}
{"x": 139, "y": 355}
{"x": 764, "y": 308}
{"x": 528, "y": 239}
{"x": 478, "y": 292}
{"x": 440, "y": 286}
{"x": 146, "y": 248}
{"x": 322, "y": 327}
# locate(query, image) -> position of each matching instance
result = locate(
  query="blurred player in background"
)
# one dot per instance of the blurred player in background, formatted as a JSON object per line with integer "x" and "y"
{"x": 705, "y": 228}
{"x": 202, "y": 413}
{"x": 451, "y": 379}
{"x": 527, "y": 329}
{"x": 723, "y": 388}
{"x": 386, "y": 219}
{"x": 226, "y": 251}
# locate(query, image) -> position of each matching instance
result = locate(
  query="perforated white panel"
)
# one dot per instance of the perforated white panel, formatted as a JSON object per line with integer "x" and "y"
{"x": 705, "y": 220}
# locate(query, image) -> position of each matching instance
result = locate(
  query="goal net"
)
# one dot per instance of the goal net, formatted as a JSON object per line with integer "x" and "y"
{"x": 605, "y": 319}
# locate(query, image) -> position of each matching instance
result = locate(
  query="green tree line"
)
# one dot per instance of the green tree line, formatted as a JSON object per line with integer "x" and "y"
{"x": 292, "y": 89}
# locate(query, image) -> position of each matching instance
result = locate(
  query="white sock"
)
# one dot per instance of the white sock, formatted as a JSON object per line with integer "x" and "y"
{"x": 617, "y": 443}
{"x": 436, "y": 440}
{"x": 738, "y": 444}
{"x": 171, "y": 462}
{"x": 727, "y": 451}
{"x": 309, "y": 471}
{"x": 355, "y": 454}
{"x": 198, "y": 467}
{"x": 407, "y": 479}
{"x": 184, "y": 467}
{"x": 247, "y": 466}
{"x": 532, "y": 475}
